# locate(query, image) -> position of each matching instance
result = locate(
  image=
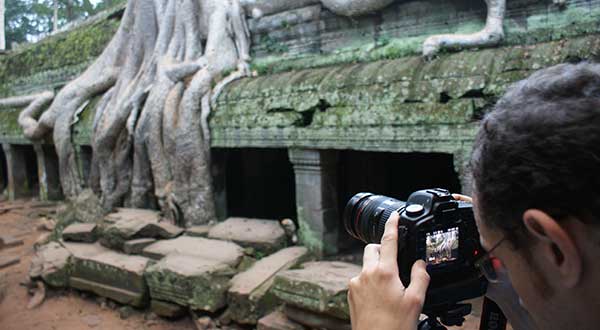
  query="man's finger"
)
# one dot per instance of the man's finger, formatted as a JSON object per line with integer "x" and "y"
{"x": 389, "y": 244}
{"x": 371, "y": 256}
{"x": 463, "y": 198}
{"x": 419, "y": 280}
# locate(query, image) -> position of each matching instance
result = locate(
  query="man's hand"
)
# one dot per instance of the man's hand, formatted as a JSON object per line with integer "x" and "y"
{"x": 377, "y": 297}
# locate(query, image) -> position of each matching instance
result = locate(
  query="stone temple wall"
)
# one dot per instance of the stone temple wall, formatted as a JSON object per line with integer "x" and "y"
{"x": 325, "y": 83}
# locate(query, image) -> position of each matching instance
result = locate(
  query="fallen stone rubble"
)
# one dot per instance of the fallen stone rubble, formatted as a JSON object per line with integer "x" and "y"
{"x": 238, "y": 271}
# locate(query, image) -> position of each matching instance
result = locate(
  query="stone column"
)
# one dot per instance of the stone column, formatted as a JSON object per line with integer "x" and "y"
{"x": 462, "y": 160}
{"x": 18, "y": 185}
{"x": 48, "y": 173}
{"x": 316, "y": 199}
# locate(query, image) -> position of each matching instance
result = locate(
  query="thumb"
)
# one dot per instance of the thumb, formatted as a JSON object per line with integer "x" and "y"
{"x": 419, "y": 281}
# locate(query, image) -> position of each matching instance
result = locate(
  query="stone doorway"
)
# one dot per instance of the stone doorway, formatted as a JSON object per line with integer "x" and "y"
{"x": 254, "y": 183}
{"x": 392, "y": 174}
{"x": 26, "y": 183}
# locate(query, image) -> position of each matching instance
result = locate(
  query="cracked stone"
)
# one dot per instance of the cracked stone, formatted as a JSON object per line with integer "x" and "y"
{"x": 80, "y": 232}
{"x": 265, "y": 236}
{"x": 320, "y": 287}
{"x": 228, "y": 253}
{"x": 249, "y": 297}
{"x": 109, "y": 274}
{"x": 51, "y": 263}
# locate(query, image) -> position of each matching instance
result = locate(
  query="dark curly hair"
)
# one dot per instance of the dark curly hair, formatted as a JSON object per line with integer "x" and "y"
{"x": 540, "y": 148}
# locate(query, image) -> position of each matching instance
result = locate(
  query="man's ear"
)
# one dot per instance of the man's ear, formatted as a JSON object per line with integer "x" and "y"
{"x": 556, "y": 245}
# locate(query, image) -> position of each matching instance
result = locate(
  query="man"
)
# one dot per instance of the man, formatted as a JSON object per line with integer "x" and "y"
{"x": 536, "y": 173}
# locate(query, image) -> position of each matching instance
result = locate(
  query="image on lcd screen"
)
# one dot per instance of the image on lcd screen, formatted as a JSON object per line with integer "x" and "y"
{"x": 442, "y": 246}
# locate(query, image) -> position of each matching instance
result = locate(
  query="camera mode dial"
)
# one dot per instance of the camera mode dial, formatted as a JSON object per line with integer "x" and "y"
{"x": 415, "y": 210}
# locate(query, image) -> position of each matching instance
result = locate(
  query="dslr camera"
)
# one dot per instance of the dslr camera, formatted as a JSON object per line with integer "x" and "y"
{"x": 433, "y": 227}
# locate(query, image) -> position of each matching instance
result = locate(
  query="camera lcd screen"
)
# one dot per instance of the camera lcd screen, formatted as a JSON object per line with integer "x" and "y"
{"x": 441, "y": 246}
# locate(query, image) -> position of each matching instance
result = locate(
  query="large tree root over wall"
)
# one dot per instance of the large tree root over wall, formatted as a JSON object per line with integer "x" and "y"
{"x": 150, "y": 139}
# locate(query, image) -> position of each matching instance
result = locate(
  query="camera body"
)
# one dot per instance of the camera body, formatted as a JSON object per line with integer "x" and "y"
{"x": 433, "y": 227}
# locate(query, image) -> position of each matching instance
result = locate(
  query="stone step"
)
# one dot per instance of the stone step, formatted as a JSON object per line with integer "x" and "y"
{"x": 249, "y": 297}
{"x": 278, "y": 321}
{"x": 80, "y": 232}
{"x": 264, "y": 236}
{"x": 320, "y": 287}
{"x": 109, "y": 274}
{"x": 189, "y": 280}
{"x": 128, "y": 224}
{"x": 51, "y": 264}
{"x": 204, "y": 248}
{"x": 166, "y": 309}
{"x": 314, "y": 320}
{"x": 136, "y": 246}
{"x": 198, "y": 231}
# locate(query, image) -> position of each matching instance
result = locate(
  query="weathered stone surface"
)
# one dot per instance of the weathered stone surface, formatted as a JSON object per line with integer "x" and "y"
{"x": 3, "y": 286}
{"x": 198, "y": 231}
{"x": 166, "y": 309}
{"x": 278, "y": 321}
{"x": 128, "y": 224}
{"x": 190, "y": 281}
{"x": 265, "y": 236}
{"x": 80, "y": 232}
{"x": 109, "y": 274}
{"x": 51, "y": 263}
{"x": 136, "y": 246}
{"x": 320, "y": 287}
{"x": 7, "y": 241}
{"x": 314, "y": 320}
{"x": 9, "y": 260}
{"x": 225, "y": 252}
{"x": 249, "y": 297}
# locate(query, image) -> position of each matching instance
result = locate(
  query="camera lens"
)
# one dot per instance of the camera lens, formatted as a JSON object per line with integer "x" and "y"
{"x": 365, "y": 216}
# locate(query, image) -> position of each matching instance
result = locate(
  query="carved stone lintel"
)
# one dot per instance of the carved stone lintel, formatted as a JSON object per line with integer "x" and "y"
{"x": 316, "y": 198}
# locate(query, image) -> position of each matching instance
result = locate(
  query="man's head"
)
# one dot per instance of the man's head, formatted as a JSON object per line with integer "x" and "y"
{"x": 536, "y": 170}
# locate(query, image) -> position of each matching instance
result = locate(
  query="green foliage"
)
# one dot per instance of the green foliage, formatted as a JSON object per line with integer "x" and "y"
{"x": 28, "y": 20}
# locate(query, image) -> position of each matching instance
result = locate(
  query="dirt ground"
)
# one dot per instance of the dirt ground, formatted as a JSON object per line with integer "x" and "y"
{"x": 66, "y": 309}
{"x": 70, "y": 309}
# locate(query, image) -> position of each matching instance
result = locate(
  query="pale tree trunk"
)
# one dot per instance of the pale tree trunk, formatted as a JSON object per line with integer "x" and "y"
{"x": 2, "y": 26}
{"x": 150, "y": 136}
{"x": 55, "y": 17}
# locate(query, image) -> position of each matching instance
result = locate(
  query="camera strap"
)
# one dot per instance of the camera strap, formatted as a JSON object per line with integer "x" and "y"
{"x": 492, "y": 317}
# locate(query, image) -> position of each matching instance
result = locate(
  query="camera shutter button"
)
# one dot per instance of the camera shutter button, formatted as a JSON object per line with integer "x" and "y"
{"x": 414, "y": 210}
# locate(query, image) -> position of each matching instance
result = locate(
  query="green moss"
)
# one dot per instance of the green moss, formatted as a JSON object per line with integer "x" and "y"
{"x": 67, "y": 49}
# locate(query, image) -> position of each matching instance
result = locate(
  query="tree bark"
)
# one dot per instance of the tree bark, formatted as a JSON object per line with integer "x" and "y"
{"x": 2, "y": 26}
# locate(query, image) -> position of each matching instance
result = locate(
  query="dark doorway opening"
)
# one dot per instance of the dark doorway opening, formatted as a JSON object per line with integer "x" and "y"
{"x": 395, "y": 175}
{"x": 31, "y": 186}
{"x": 258, "y": 183}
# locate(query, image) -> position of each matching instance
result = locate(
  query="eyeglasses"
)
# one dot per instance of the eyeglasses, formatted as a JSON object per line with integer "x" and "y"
{"x": 489, "y": 265}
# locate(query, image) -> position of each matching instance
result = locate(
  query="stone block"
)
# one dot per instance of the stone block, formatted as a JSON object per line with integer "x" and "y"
{"x": 249, "y": 297}
{"x": 166, "y": 309}
{"x": 51, "y": 263}
{"x": 109, "y": 274}
{"x": 80, "y": 232}
{"x": 314, "y": 320}
{"x": 278, "y": 321}
{"x": 319, "y": 287}
{"x": 128, "y": 224}
{"x": 7, "y": 241}
{"x": 264, "y": 236}
{"x": 136, "y": 246}
{"x": 198, "y": 231}
{"x": 190, "y": 281}
{"x": 9, "y": 260}
{"x": 225, "y": 252}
